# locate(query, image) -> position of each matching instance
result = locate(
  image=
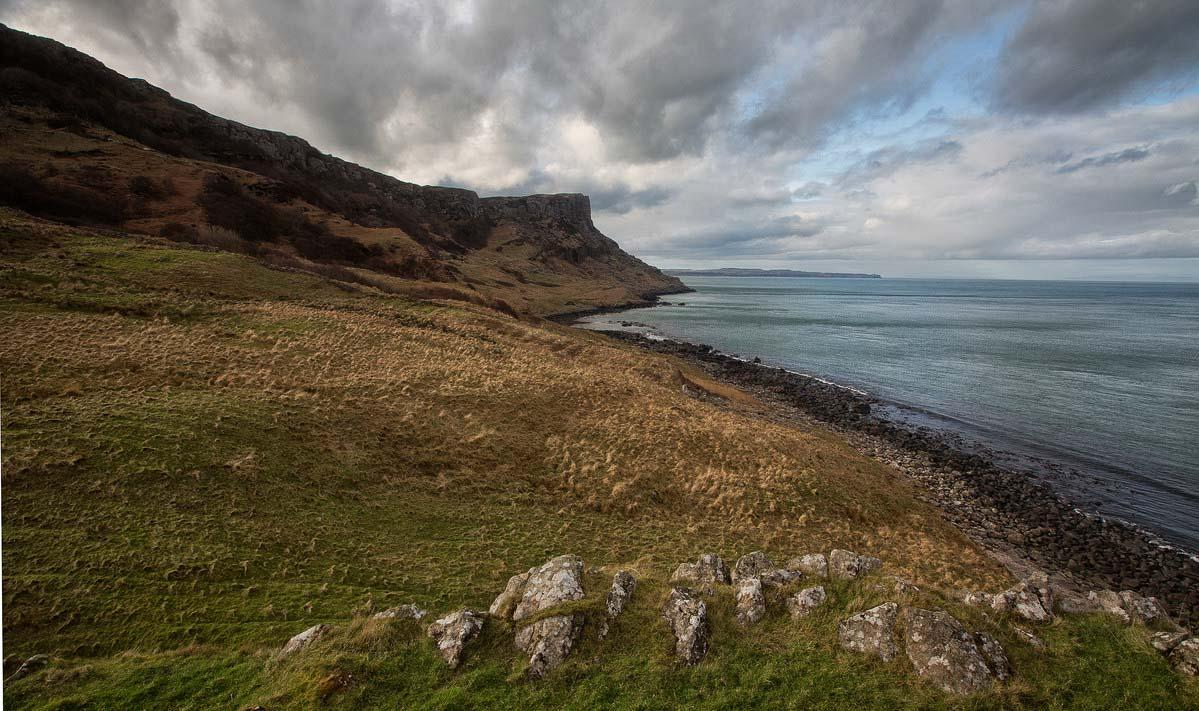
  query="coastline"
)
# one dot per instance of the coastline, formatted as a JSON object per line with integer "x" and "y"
{"x": 1009, "y": 512}
{"x": 647, "y": 300}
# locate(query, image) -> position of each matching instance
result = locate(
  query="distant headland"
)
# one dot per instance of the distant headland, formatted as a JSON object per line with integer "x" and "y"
{"x": 736, "y": 272}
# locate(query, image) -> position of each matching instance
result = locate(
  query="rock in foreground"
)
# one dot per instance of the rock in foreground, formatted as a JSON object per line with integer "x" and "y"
{"x": 943, "y": 652}
{"x": 549, "y": 640}
{"x": 452, "y": 633}
{"x": 848, "y": 565}
{"x": 687, "y": 616}
{"x": 871, "y": 632}
{"x": 803, "y": 602}
{"x": 623, "y": 584}
{"x": 304, "y": 639}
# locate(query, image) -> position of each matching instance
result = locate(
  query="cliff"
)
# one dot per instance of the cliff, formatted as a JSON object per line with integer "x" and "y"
{"x": 81, "y": 128}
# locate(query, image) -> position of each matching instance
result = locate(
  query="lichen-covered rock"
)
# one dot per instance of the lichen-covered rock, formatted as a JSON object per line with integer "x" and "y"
{"x": 707, "y": 571}
{"x": 687, "y": 616}
{"x": 304, "y": 639}
{"x": 1185, "y": 656}
{"x": 1031, "y": 599}
{"x": 751, "y": 565}
{"x": 1166, "y": 642}
{"x": 943, "y": 652}
{"x": 871, "y": 632}
{"x": 993, "y": 653}
{"x": 803, "y": 602}
{"x": 751, "y": 604}
{"x": 903, "y": 586}
{"x": 780, "y": 577}
{"x": 1142, "y": 609}
{"x": 453, "y": 632}
{"x": 813, "y": 564}
{"x": 402, "y": 612}
{"x": 623, "y": 584}
{"x": 1109, "y": 602}
{"x": 549, "y": 640}
{"x": 505, "y": 602}
{"x": 847, "y": 565}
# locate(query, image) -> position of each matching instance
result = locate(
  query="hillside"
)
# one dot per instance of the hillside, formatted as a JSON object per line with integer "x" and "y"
{"x": 204, "y": 456}
{"x": 85, "y": 145}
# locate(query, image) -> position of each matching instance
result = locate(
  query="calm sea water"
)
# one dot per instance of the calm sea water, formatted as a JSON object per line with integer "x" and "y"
{"x": 1097, "y": 380}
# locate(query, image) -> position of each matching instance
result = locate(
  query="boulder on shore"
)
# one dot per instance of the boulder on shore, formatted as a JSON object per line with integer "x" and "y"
{"x": 549, "y": 640}
{"x": 687, "y": 616}
{"x": 847, "y": 565}
{"x": 871, "y": 632}
{"x": 452, "y": 633}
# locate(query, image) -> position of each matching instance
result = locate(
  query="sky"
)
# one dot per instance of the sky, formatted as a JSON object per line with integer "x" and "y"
{"x": 972, "y": 138}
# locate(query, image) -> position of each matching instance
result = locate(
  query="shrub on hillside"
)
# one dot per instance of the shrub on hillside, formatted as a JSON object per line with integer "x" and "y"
{"x": 55, "y": 199}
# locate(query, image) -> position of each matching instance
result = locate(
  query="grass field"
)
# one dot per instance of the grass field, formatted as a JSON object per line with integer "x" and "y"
{"x": 203, "y": 456}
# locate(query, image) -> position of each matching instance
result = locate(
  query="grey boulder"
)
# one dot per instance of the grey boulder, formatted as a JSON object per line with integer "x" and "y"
{"x": 943, "y": 652}
{"x": 687, "y": 616}
{"x": 453, "y": 632}
{"x": 549, "y": 640}
{"x": 847, "y": 565}
{"x": 707, "y": 571}
{"x": 871, "y": 632}
{"x": 803, "y": 602}
{"x": 623, "y": 584}
{"x": 813, "y": 564}
{"x": 751, "y": 604}
{"x": 751, "y": 565}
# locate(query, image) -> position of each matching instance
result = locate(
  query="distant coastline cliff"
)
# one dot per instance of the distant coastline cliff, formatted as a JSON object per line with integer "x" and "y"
{"x": 736, "y": 272}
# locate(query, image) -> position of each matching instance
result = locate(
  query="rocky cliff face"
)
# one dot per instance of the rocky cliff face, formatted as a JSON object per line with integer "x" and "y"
{"x": 551, "y": 237}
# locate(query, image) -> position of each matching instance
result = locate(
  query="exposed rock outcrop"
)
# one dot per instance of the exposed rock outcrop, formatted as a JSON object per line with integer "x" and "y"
{"x": 707, "y": 571}
{"x": 871, "y": 632}
{"x": 1185, "y": 656}
{"x": 623, "y": 584}
{"x": 548, "y": 640}
{"x": 847, "y": 565}
{"x": 29, "y": 666}
{"x": 453, "y": 632}
{"x": 506, "y": 601}
{"x": 304, "y": 639}
{"x": 402, "y": 612}
{"x": 751, "y": 604}
{"x": 687, "y": 616}
{"x": 813, "y": 564}
{"x": 942, "y": 651}
{"x": 803, "y": 602}
{"x": 751, "y": 565}
{"x": 1031, "y": 599}
{"x": 1145, "y": 610}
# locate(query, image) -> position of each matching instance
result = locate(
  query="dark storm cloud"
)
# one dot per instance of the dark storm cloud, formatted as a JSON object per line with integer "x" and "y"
{"x": 711, "y": 130}
{"x": 1128, "y": 155}
{"x": 1073, "y": 55}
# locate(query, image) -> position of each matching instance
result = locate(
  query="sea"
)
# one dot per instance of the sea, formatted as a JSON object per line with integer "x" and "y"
{"x": 1090, "y": 386}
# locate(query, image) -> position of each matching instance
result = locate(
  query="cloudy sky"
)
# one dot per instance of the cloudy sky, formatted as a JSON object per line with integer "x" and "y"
{"x": 1055, "y": 139}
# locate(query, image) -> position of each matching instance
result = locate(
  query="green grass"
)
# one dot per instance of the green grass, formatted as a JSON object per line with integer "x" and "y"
{"x": 203, "y": 457}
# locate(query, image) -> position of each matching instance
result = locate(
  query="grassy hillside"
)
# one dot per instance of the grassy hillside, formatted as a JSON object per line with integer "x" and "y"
{"x": 203, "y": 456}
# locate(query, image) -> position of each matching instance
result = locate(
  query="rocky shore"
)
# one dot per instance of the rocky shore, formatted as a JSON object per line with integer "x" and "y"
{"x": 1008, "y": 512}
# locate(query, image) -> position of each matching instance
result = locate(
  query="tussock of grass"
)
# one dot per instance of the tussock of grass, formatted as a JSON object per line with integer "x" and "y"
{"x": 246, "y": 452}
